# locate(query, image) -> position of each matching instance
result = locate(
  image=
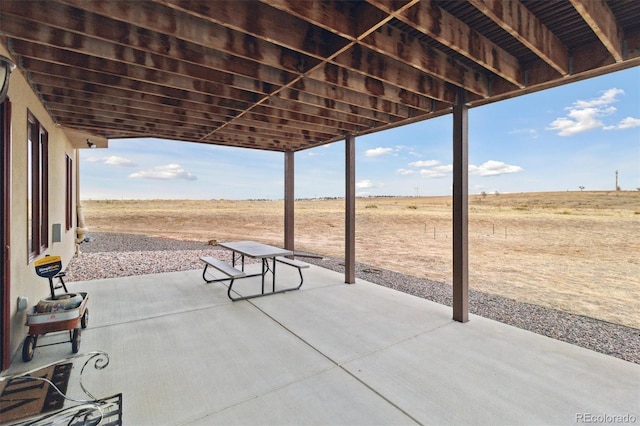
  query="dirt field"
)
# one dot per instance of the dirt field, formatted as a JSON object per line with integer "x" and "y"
{"x": 574, "y": 251}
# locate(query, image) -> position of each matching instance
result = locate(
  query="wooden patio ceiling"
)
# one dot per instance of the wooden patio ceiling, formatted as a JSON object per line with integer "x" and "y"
{"x": 287, "y": 75}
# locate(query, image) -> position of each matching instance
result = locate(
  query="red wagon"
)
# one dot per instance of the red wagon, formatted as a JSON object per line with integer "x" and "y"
{"x": 64, "y": 312}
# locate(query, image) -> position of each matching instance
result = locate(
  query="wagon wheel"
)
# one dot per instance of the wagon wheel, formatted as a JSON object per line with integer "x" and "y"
{"x": 84, "y": 321}
{"x": 28, "y": 348}
{"x": 75, "y": 341}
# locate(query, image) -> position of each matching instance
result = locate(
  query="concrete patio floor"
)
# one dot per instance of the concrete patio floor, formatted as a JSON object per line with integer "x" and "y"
{"x": 331, "y": 353}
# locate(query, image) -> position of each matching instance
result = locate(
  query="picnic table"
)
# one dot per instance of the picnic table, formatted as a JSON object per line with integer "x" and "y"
{"x": 269, "y": 257}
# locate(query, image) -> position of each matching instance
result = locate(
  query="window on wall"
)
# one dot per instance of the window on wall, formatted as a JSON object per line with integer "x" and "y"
{"x": 38, "y": 188}
{"x": 69, "y": 193}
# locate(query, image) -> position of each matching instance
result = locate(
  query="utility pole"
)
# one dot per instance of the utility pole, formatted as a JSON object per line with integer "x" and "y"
{"x": 617, "y": 187}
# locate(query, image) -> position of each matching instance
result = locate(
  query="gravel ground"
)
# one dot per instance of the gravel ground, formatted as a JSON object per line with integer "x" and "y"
{"x": 130, "y": 254}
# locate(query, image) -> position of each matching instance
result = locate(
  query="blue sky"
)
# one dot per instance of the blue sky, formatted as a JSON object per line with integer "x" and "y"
{"x": 555, "y": 140}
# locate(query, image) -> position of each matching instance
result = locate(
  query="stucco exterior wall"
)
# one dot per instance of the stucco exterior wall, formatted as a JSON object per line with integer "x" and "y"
{"x": 24, "y": 281}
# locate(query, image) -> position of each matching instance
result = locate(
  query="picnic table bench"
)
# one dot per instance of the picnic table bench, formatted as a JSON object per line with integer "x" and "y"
{"x": 296, "y": 264}
{"x": 221, "y": 266}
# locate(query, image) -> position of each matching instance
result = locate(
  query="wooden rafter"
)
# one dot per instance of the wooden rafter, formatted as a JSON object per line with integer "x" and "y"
{"x": 289, "y": 74}
{"x": 599, "y": 17}
{"x": 438, "y": 24}
{"x": 386, "y": 43}
{"x": 518, "y": 21}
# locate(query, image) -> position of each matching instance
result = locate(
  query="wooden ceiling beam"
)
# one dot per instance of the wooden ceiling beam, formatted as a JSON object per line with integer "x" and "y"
{"x": 345, "y": 89}
{"x": 248, "y": 141}
{"x": 84, "y": 116}
{"x": 428, "y": 18}
{"x": 597, "y": 14}
{"x": 294, "y": 107}
{"x": 75, "y": 106}
{"x": 389, "y": 79}
{"x": 401, "y": 96}
{"x": 438, "y": 66}
{"x": 298, "y": 129}
{"x": 265, "y": 116}
{"x": 171, "y": 97}
{"x": 312, "y": 34}
{"x": 302, "y": 120}
{"x": 65, "y": 114}
{"x": 353, "y": 98}
{"x": 306, "y": 98}
{"x": 248, "y": 137}
{"x": 58, "y": 60}
{"x": 289, "y": 75}
{"x": 179, "y": 67}
{"x": 62, "y": 89}
{"x": 523, "y": 25}
{"x": 590, "y": 60}
{"x": 277, "y": 113}
{"x": 335, "y": 13}
{"x": 128, "y": 131}
{"x": 267, "y": 23}
{"x": 142, "y": 73}
{"x": 272, "y": 132}
{"x": 237, "y": 143}
{"x": 173, "y": 87}
{"x": 69, "y": 98}
{"x": 289, "y": 133}
{"x": 262, "y": 121}
{"x": 347, "y": 19}
{"x": 299, "y": 107}
{"x": 139, "y": 80}
{"x": 262, "y": 113}
{"x": 376, "y": 90}
{"x": 74, "y": 115}
{"x": 196, "y": 62}
{"x": 134, "y": 129}
{"x": 196, "y": 30}
{"x": 242, "y": 142}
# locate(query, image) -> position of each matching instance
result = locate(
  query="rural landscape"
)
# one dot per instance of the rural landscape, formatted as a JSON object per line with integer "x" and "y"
{"x": 572, "y": 251}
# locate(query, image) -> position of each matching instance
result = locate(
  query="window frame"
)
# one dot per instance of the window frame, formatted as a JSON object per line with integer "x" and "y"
{"x": 37, "y": 187}
{"x": 69, "y": 192}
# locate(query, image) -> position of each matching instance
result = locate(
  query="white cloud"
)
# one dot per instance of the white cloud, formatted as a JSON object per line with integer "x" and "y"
{"x": 118, "y": 161}
{"x": 363, "y": 184}
{"x": 168, "y": 172}
{"x": 625, "y": 123}
{"x": 431, "y": 174}
{"x": 405, "y": 172}
{"x": 377, "y": 152}
{"x": 586, "y": 115}
{"x": 437, "y": 170}
{"x": 409, "y": 150}
{"x": 425, "y": 163}
{"x": 578, "y": 121}
{"x": 493, "y": 168}
{"x": 629, "y": 122}
{"x": 433, "y": 169}
{"x": 608, "y": 97}
{"x": 444, "y": 168}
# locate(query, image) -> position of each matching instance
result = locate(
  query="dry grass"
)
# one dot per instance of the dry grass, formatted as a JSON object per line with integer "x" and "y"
{"x": 573, "y": 251}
